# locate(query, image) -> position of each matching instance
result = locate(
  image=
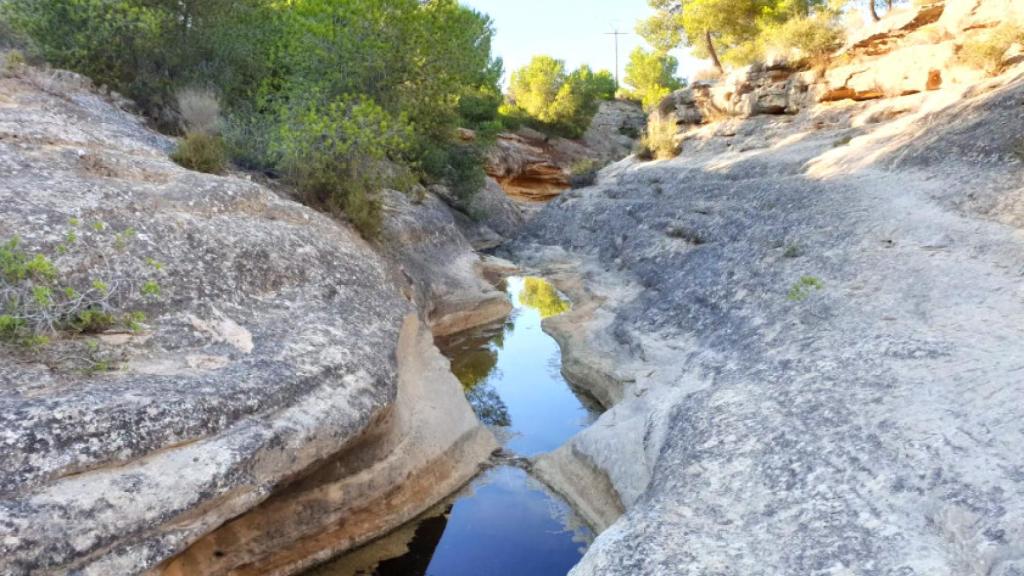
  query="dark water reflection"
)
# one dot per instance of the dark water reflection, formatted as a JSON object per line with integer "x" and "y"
{"x": 504, "y": 523}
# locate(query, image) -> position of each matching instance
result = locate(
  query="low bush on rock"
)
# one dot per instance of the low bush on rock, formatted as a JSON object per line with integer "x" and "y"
{"x": 338, "y": 156}
{"x": 90, "y": 283}
{"x": 659, "y": 140}
{"x": 812, "y": 38}
{"x": 201, "y": 152}
{"x": 988, "y": 51}
{"x": 802, "y": 288}
{"x": 202, "y": 148}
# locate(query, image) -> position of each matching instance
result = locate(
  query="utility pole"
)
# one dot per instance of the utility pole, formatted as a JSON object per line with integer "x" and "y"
{"x": 616, "y": 34}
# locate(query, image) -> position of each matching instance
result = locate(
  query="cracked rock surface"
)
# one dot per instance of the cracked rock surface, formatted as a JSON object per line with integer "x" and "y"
{"x": 810, "y": 331}
{"x": 274, "y": 343}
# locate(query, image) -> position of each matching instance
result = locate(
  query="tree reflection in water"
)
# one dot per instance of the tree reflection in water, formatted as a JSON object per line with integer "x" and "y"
{"x": 474, "y": 356}
{"x": 539, "y": 294}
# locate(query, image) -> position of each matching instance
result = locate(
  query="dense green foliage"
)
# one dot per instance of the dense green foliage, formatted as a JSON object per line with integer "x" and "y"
{"x": 290, "y": 74}
{"x": 544, "y": 95}
{"x": 737, "y": 31}
{"x": 652, "y": 76}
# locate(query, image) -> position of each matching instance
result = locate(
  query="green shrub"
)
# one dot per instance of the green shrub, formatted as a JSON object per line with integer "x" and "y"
{"x": 802, "y": 288}
{"x": 270, "y": 61}
{"x": 988, "y": 51}
{"x": 201, "y": 152}
{"x": 547, "y": 98}
{"x": 659, "y": 140}
{"x": 338, "y": 154}
{"x": 652, "y": 76}
{"x": 41, "y": 294}
{"x": 11, "y": 63}
{"x": 814, "y": 37}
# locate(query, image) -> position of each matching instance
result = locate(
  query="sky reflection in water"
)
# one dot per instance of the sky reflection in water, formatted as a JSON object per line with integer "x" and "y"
{"x": 505, "y": 523}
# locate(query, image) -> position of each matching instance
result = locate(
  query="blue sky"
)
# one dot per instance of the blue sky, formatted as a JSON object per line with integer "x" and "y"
{"x": 570, "y": 30}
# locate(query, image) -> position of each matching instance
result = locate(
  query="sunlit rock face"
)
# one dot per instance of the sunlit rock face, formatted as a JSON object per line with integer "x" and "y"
{"x": 912, "y": 50}
{"x": 532, "y": 166}
{"x": 867, "y": 425}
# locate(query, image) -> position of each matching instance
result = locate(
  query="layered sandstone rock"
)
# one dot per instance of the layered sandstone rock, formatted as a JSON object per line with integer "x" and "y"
{"x": 529, "y": 165}
{"x": 280, "y": 345}
{"x": 912, "y": 50}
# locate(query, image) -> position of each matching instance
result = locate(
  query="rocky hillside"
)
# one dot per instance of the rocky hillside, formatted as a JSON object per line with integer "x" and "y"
{"x": 280, "y": 357}
{"x": 807, "y": 329}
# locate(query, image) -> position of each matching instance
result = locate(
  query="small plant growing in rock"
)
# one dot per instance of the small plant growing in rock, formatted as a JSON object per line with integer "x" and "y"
{"x": 988, "y": 51}
{"x": 803, "y": 288}
{"x": 583, "y": 172}
{"x": 659, "y": 141}
{"x": 792, "y": 251}
{"x": 85, "y": 286}
{"x": 202, "y": 148}
{"x": 13, "y": 63}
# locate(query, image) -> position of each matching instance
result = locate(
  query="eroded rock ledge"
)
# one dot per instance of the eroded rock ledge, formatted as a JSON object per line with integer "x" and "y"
{"x": 281, "y": 339}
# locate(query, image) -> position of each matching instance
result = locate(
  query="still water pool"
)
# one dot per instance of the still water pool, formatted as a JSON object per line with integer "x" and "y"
{"x": 504, "y": 523}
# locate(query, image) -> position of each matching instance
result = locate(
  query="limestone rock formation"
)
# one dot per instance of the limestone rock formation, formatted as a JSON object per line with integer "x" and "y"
{"x": 526, "y": 167}
{"x": 912, "y": 50}
{"x": 532, "y": 166}
{"x": 810, "y": 351}
{"x": 614, "y": 130}
{"x": 439, "y": 264}
{"x": 279, "y": 341}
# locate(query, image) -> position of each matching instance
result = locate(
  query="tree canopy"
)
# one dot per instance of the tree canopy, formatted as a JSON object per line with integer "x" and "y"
{"x": 294, "y": 75}
{"x": 652, "y": 76}
{"x": 563, "y": 102}
{"x": 727, "y": 31}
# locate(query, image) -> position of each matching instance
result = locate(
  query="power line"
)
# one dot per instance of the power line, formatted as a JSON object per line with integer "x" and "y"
{"x": 616, "y": 34}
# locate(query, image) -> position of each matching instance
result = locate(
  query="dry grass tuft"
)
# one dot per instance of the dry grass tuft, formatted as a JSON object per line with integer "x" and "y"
{"x": 200, "y": 111}
{"x": 988, "y": 51}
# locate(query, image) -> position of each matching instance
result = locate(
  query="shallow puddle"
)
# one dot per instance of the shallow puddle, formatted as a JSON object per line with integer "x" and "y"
{"x": 504, "y": 523}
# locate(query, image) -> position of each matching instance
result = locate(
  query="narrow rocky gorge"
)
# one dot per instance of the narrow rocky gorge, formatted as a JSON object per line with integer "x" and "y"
{"x": 804, "y": 332}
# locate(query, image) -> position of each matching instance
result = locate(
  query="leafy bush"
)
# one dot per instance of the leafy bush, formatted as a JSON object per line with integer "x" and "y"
{"x": 652, "y": 76}
{"x": 11, "y": 63}
{"x": 141, "y": 49}
{"x": 659, "y": 140}
{"x": 202, "y": 152}
{"x": 202, "y": 149}
{"x": 41, "y": 294}
{"x": 549, "y": 99}
{"x": 338, "y": 155}
{"x": 427, "y": 65}
{"x": 583, "y": 172}
{"x": 988, "y": 51}
{"x": 802, "y": 288}
{"x": 814, "y": 37}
